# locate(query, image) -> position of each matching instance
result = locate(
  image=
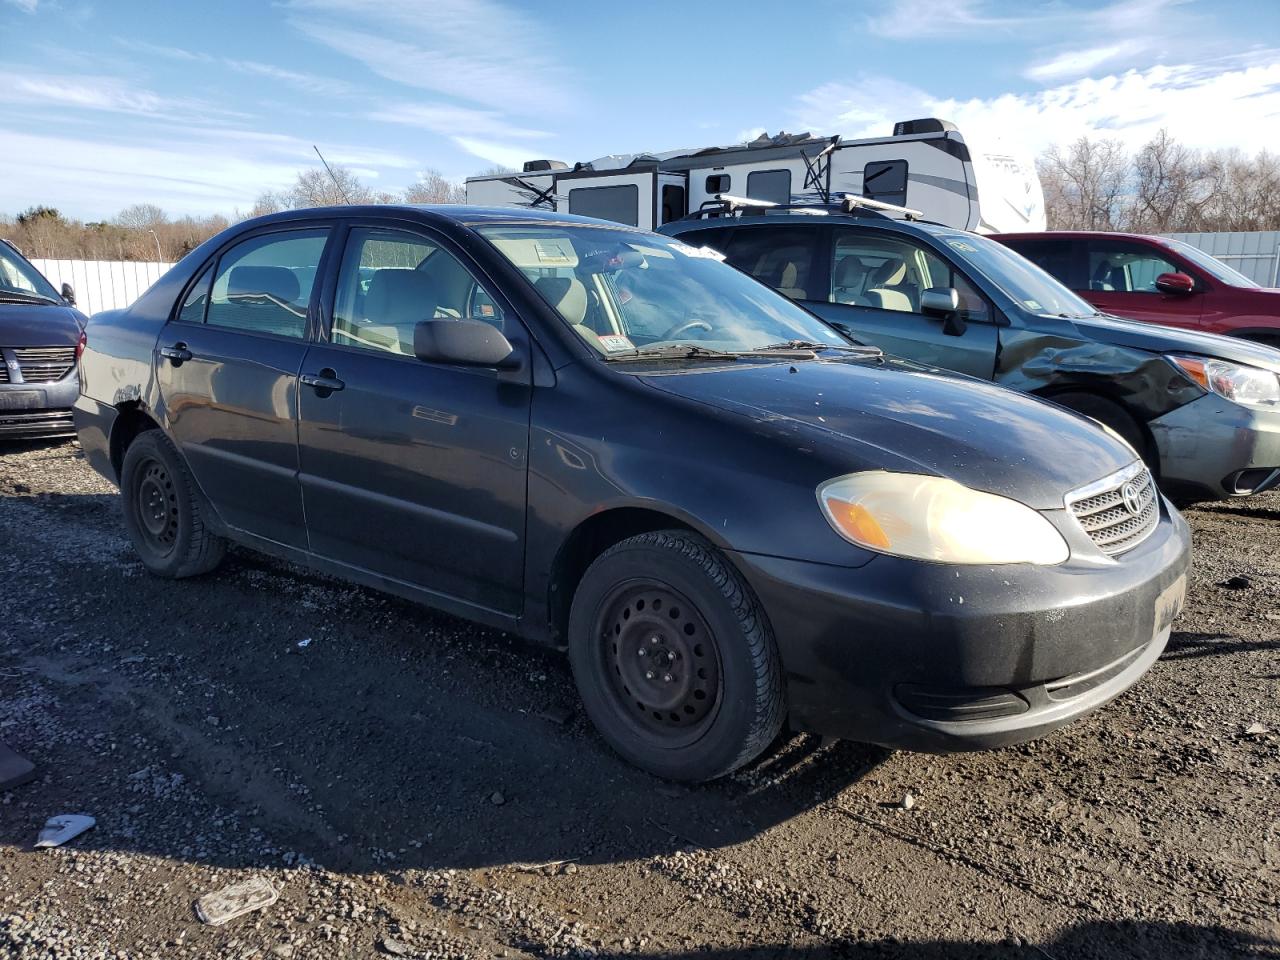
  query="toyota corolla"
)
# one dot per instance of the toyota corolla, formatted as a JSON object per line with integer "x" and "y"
{"x": 731, "y": 516}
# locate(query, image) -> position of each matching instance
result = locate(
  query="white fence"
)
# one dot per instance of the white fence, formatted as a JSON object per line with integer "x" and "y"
{"x": 102, "y": 284}
{"x": 1256, "y": 254}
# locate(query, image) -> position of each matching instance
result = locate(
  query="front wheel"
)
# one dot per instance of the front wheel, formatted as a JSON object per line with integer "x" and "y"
{"x": 164, "y": 513}
{"x": 673, "y": 657}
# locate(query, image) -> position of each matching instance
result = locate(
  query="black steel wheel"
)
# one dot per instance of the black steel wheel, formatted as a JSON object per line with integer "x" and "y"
{"x": 164, "y": 513}
{"x": 673, "y": 657}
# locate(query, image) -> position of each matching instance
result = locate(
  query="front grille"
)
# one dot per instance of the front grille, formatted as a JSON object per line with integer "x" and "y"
{"x": 45, "y": 364}
{"x": 1117, "y": 512}
{"x": 4, "y": 370}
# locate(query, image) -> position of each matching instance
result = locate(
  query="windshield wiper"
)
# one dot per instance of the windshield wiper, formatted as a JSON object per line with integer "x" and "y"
{"x": 809, "y": 345}
{"x": 21, "y": 296}
{"x": 677, "y": 351}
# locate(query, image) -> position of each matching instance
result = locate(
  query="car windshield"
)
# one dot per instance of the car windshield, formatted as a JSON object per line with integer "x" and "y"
{"x": 1018, "y": 277}
{"x": 625, "y": 293}
{"x": 19, "y": 277}
{"x": 1212, "y": 265}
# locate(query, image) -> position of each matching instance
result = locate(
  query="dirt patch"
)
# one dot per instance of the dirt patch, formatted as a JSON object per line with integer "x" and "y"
{"x": 417, "y": 786}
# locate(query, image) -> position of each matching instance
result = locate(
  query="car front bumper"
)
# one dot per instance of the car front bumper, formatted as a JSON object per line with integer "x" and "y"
{"x": 37, "y": 410}
{"x": 942, "y": 658}
{"x": 1212, "y": 448}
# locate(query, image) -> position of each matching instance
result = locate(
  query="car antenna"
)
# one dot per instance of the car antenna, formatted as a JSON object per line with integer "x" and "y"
{"x": 329, "y": 170}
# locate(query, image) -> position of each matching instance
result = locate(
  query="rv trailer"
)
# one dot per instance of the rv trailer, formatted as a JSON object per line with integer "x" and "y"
{"x": 926, "y": 165}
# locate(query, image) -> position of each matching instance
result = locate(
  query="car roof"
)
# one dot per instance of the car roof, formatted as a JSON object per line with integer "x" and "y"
{"x": 801, "y": 218}
{"x": 1079, "y": 235}
{"x": 452, "y": 212}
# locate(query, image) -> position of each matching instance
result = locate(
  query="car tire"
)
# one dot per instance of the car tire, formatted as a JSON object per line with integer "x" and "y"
{"x": 674, "y": 658}
{"x": 164, "y": 513}
{"x": 1113, "y": 415}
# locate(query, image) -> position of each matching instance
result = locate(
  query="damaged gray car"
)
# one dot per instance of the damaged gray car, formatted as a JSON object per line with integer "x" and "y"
{"x": 1202, "y": 410}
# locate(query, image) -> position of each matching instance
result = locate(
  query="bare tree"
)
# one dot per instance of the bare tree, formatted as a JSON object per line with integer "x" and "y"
{"x": 1084, "y": 185}
{"x": 432, "y": 187}
{"x": 1173, "y": 186}
{"x": 496, "y": 171}
{"x": 141, "y": 216}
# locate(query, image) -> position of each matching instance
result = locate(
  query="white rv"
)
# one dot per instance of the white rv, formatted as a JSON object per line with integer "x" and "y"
{"x": 926, "y": 165}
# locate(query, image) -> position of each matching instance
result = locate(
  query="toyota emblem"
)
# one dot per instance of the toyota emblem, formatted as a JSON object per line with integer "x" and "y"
{"x": 1131, "y": 494}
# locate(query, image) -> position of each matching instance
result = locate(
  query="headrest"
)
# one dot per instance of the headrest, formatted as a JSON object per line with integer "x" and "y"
{"x": 400, "y": 296}
{"x": 788, "y": 278}
{"x": 888, "y": 274}
{"x": 280, "y": 283}
{"x": 566, "y": 294}
{"x": 849, "y": 272}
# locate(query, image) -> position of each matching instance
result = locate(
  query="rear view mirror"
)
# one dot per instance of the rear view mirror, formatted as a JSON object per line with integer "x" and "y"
{"x": 1175, "y": 283}
{"x": 944, "y": 302}
{"x": 470, "y": 343}
{"x": 69, "y": 294}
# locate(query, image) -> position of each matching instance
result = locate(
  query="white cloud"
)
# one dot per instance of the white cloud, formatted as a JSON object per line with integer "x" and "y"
{"x": 918, "y": 19}
{"x": 1233, "y": 101}
{"x": 42, "y": 92}
{"x": 974, "y": 19}
{"x": 454, "y": 121}
{"x": 307, "y": 82}
{"x": 1075, "y": 63}
{"x": 26, "y": 6}
{"x": 479, "y": 51}
{"x": 501, "y": 154}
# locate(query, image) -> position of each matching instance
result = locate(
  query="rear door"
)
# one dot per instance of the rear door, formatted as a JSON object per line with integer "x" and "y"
{"x": 415, "y": 471}
{"x": 1121, "y": 278}
{"x": 227, "y": 368}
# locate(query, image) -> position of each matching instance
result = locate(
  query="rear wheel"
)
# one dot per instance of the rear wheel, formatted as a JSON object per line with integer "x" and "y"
{"x": 164, "y": 513}
{"x": 1111, "y": 414}
{"x": 673, "y": 657}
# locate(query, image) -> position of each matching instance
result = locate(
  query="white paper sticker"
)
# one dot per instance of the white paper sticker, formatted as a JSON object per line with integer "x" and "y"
{"x": 551, "y": 251}
{"x": 615, "y": 343}
{"x": 702, "y": 253}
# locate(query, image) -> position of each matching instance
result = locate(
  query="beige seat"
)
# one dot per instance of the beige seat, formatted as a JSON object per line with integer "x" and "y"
{"x": 885, "y": 287}
{"x": 849, "y": 278}
{"x": 787, "y": 283}
{"x": 566, "y": 294}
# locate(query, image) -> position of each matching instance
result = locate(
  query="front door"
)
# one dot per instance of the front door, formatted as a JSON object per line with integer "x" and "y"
{"x": 227, "y": 369}
{"x": 876, "y": 280}
{"x": 1121, "y": 277}
{"x": 415, "y": 471}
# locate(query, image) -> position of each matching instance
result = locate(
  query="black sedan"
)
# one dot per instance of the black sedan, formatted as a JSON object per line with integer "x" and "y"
{"x": 609, "y": 441}
{"x": 39, "y": 330}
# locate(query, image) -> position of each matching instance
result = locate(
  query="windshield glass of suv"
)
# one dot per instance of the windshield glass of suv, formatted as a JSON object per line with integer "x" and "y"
{"x": 18, "y": 276}
{"x": 1018, "y": 277}
{"x": 1212, "y": 265}
{"x": 622, "y": 291}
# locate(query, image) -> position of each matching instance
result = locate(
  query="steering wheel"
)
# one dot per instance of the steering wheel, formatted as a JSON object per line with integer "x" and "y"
{"x": 680, "y": 328}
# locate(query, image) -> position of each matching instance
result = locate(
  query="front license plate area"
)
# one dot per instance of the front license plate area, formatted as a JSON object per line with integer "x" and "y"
{"x": 21, "y": 399}
{"x": 1169, "y": 603}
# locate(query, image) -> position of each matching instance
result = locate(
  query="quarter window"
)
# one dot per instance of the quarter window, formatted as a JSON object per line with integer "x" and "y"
{"x": 390, "y": 280}
{"x": 264, "y": 283}
{"x": 197, "y": 298}
{"x": 1125, "y": 268}
{"x": 885, "y": 273}
{"x": 886, "y": 181}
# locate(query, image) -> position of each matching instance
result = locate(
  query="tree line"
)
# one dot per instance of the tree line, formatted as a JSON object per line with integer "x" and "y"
{"x": 1163, "y": 187}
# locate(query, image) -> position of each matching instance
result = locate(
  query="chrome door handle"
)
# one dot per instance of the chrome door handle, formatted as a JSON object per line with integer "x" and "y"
{"x": 178, "y": 353}
{"x": 323, "y": 383}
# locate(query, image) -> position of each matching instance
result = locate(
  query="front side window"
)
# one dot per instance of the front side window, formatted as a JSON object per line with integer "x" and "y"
{"x": 771, "y": 185}
{"x": 1125, "y": 268}
{"x": 263, "y": 284}
{"x": 621, "y": 291}
{"x": 20, "y": 277}
{"x": 780, "y": 257}
{"x": 1020, "y": 279}
{"x": 1213, "y": 266}
{"x": 888, "y": 273}
{"x": 620, "y": 204}
{"x": 391, "y": 279}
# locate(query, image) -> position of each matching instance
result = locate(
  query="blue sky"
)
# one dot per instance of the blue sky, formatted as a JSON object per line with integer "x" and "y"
{"x": 201, "y": 107}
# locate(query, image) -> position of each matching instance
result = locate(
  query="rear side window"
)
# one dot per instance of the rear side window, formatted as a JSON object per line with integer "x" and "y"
{"x": 781, "y": 257}
{"x": 620, "y": 204}
{"x": 263, "y": 284}
{"x": 1054, "y": 257}
{"x": 886, "y": 181}
{"x": 771, "y": 185}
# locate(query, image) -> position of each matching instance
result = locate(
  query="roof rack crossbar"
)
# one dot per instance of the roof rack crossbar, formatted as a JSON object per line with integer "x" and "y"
{"x": 851, "y": 202}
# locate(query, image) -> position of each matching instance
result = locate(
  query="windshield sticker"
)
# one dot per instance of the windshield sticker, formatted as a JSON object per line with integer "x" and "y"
{"x": 962, "y": 245}
{"x": 1033, "y": 304}
{"x": 616, "y": 344}
{"x": 701, "y": 253}
{"x": 552, "y": 251}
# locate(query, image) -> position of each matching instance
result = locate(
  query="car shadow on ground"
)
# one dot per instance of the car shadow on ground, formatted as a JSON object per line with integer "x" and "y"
{"x": 1093, "y": 940}
{"x": 1189, "y": 646}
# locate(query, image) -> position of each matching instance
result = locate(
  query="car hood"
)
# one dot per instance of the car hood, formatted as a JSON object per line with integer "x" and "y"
{"x": 39, "y": 325}
{"x": 899, "y": 416}
{"x": 1158, "y": 339}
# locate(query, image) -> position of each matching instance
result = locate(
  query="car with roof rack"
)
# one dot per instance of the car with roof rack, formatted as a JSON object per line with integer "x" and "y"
{"x": 1202, "y": 410}
{"x": 608, "y": 441}
{"x": 39, "y": 333}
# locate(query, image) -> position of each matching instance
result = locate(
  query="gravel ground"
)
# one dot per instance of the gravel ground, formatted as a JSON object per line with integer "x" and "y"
{"x": 416, "y": 786}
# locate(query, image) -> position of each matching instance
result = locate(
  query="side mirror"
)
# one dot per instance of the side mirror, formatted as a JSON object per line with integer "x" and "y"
{"x": 1175, "y": 283}
{"x": 469, "y": 343}
{"x": 944, "y": 302}
{"x": 69, "y": 294}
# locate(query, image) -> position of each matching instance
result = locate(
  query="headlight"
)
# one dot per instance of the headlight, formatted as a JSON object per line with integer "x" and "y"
{"x": 932, "y": 518}
{"x": 1234, "y": 381}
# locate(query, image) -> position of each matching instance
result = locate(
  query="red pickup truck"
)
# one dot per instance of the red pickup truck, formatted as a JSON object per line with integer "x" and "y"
{"x": 1154, "y": 279}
